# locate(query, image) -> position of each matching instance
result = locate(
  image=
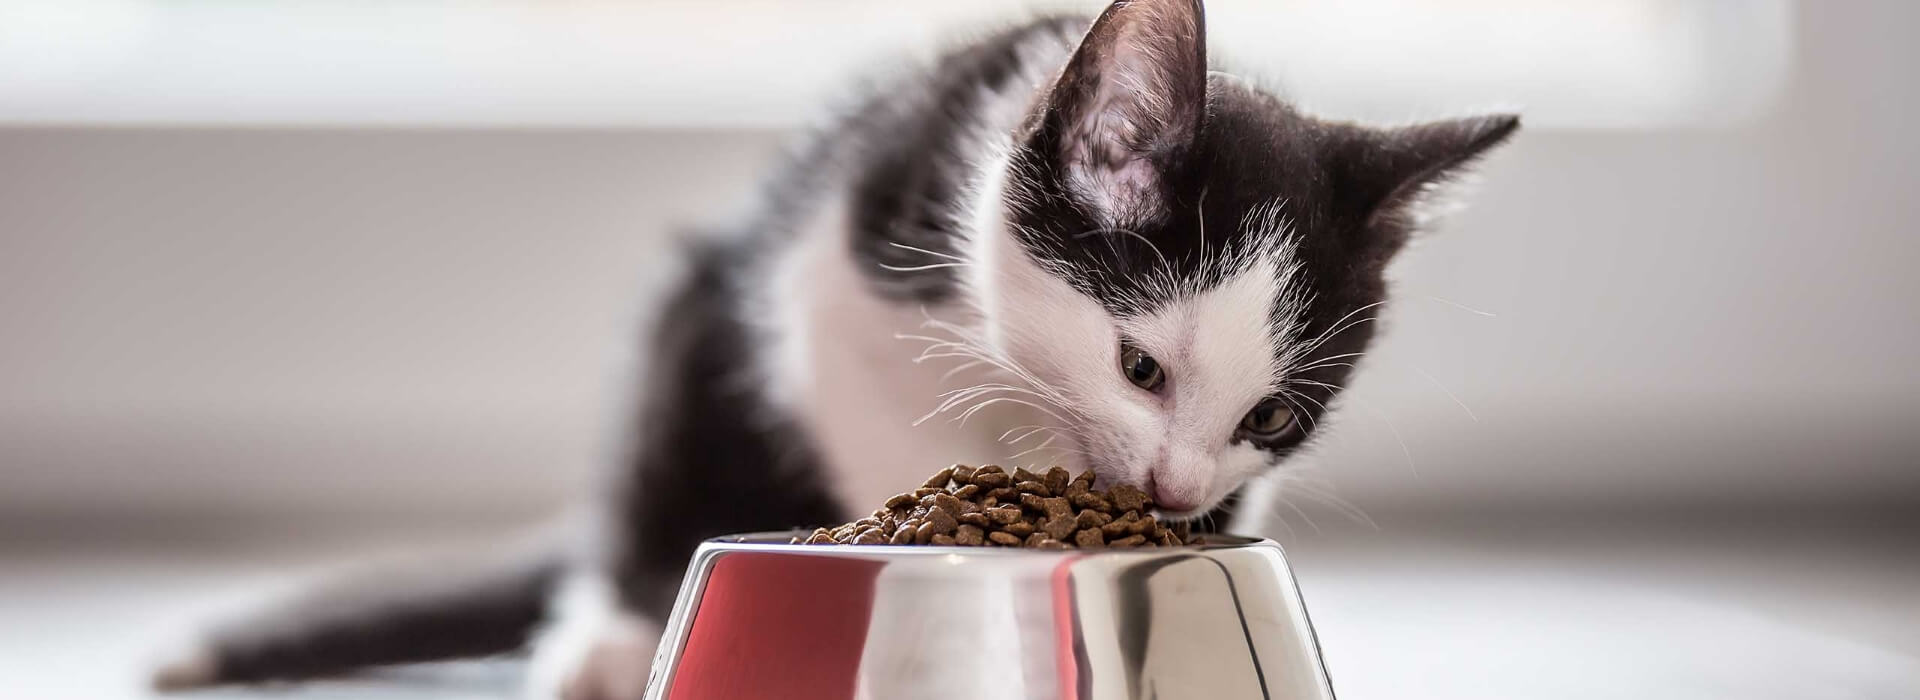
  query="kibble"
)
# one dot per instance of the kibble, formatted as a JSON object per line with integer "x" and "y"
{"x": 987, "y": 506}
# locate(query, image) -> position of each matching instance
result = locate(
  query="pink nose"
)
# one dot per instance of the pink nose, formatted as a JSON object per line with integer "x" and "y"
{"x": 1168, "y": 500}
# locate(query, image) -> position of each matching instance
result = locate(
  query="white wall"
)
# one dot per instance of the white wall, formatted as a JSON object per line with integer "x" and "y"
{"x": 234, "y": 320}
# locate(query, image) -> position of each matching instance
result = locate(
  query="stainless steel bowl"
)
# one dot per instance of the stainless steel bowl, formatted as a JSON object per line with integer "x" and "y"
{"x": 759, "y": 618}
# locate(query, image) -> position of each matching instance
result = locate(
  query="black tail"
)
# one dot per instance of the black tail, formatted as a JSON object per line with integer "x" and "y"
{"x": 421, "y": 613}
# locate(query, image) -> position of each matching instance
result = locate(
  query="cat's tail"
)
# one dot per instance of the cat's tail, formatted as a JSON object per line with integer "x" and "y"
{"x": 477, "y": 606}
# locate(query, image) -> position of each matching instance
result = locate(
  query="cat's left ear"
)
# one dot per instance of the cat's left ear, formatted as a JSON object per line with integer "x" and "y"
{"x": 1385, "y": 172}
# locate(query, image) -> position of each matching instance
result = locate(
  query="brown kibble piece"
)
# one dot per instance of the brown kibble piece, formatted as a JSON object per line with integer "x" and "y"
{"x": 1004, "y": 515}
{"x": 901, "y": 536}
{"x": 925, "y": 492}
{"x": 1033, "y": 540}
{"x": 945, "y": 501}
{"x": 820, "y": 538}
{"x": 1120, "y": 526}
{"x": 1019, "y": 529}
{"x": 970, "y": 536}
{"x": 1050, "y": 544}
{"x": 1056, "y": 480}
{"x": 1032, "y": 502}
{"x": 962, "y": 474}
{"x": 869, "y": 536}
{"x": 1004, "y": 494}
{"x": 1128, "y": 497}
{"x": 1093, "y": 501}
{"x": 1128, "y": 541}
{"x": 1088, "y": 538}
{"x": 1056, "y": 507}
{"x": 1021, "y": 474}
{"x": 941, "y": 540}
{"x": 1032, "y": 488}
{"x": 1090, "y": 519}
{"x": 976, "y": 519}
{"x": 1059, "y": 527}
{"x": 939, "y": 479}
{"x": 943, "y": 523}
{"x": 992, "y": 480}
{"x": 923, "y": 534}
{"x": 901, "y": 501}
{"x": 1003, "y": 539}
{"x": 1142, "y": 526}
{"x": 989, "y": 469}
{"x": 966, "y": 492}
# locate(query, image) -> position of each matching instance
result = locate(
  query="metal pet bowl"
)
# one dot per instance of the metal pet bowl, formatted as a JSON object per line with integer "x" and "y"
{"x": 760, "y": 618}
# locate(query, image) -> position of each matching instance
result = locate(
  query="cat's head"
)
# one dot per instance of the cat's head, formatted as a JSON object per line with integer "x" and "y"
{"x": 1186, "y": 264}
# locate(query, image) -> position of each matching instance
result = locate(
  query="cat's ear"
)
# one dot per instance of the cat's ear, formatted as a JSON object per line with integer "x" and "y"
{"x": 1388, "y": 172}
{"x": 1126, "y": 108}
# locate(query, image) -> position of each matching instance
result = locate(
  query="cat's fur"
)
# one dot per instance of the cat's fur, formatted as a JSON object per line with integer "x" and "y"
{"x": 972, "y": 244}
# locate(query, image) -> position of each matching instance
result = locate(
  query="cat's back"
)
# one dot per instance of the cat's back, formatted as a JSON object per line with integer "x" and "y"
{"x": 899, "y": 147}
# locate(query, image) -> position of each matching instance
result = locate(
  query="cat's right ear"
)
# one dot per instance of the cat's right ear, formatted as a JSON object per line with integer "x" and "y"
{"x": 1125, "y": 110}
{"x": 1383, "y": 172}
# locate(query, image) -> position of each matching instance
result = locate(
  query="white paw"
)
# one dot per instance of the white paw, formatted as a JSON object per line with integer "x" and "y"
{"x": 616, "y": 667}
{"x": 594, "y": 650}
{"x": 196, "y": 668}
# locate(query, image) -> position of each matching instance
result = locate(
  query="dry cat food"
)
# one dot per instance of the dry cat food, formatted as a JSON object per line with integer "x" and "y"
{"x": 988, "y": 507}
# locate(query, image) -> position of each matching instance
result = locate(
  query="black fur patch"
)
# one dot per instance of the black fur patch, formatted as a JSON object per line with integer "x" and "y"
{"x": 915, "y": 160}
{"x": 709, "y": 457}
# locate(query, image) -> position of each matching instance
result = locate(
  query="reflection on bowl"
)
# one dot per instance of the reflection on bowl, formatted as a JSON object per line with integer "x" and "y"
{"x": 759, "y": 618}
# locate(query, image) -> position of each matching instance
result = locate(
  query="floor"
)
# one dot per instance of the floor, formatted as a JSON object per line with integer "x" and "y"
{"x": 1530, "y": 608}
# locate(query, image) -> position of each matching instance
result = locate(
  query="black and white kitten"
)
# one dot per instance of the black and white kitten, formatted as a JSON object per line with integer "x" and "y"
{"x": 1059, "y": 245}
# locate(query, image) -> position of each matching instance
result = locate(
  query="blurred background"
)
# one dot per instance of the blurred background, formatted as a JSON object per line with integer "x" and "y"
{"x": 289, "y": 284}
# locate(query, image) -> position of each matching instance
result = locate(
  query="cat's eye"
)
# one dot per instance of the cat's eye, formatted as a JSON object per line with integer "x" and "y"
{"x": 1140, "y": 368}
{"x": 1268, "y": 419}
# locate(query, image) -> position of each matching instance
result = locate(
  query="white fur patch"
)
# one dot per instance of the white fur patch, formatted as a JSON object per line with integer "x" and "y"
{"x": 1219, "y": 355}
{"x": 1216, "y": 345}
{"x": 841, "y": 359}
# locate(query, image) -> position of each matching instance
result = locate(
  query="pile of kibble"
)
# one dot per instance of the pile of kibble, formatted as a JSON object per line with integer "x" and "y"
{"x": 987, "y": 506}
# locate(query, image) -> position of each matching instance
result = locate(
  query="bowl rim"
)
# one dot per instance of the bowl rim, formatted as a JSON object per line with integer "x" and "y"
{"x": 778, "y": 541}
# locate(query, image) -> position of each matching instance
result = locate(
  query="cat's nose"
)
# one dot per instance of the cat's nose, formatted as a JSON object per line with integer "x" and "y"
{"x": 1170, "y": 499}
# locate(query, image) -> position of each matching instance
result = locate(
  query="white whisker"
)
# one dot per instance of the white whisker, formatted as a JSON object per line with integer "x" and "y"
{"x": 928, "y": 252}
{"x": 918, "y": 268}
{"x": 1462, "y": 307}
{"x": 1444, "y": 390}
{"x": 1143, "y": 239}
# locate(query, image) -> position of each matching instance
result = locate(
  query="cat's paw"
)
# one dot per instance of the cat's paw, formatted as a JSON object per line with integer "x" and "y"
{"x": 594, "y": 650}
{"x": 616, "y": 668}
{"x": 196, "y": 667}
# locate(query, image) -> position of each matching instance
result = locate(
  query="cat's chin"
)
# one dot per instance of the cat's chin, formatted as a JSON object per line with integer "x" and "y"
{"x": 1178, "y": 516}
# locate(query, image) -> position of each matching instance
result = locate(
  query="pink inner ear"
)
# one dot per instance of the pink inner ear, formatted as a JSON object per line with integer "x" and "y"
{"x": 1122, "y": 191}
{"x": 1138, "y": 87}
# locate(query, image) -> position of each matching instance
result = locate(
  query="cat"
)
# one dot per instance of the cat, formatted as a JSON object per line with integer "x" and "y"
{"x": 1072, "y": 242}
